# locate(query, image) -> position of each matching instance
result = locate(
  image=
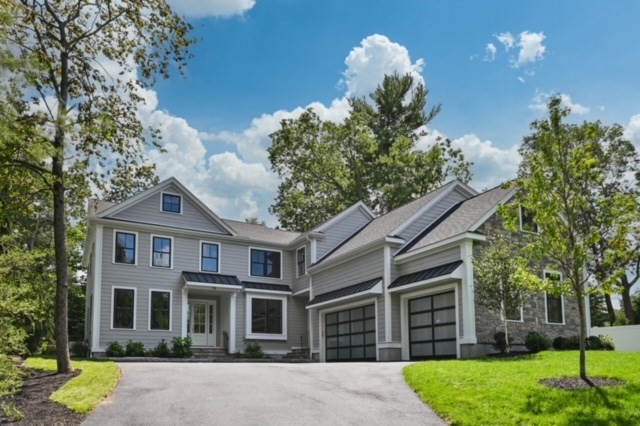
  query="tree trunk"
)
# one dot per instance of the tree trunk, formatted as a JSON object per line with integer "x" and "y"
{"x": 627, "y": 305}
{"x": 610, "y": 311}
{"x": 583, "y": 338}
{"x": 506, "y": 335}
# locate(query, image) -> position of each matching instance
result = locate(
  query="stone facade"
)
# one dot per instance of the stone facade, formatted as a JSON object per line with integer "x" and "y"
{"x": 534, "y": 315}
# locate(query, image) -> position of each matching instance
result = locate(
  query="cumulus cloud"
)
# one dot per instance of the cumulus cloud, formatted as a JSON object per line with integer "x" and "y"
{"x": 507, "y": 40}
{"x": 531, "y": 48}
{"x": 541, "y": 99}
{"x": 490, "y": 52}
{"x": 632, "y": 130}
{"x": 216, "y": 8}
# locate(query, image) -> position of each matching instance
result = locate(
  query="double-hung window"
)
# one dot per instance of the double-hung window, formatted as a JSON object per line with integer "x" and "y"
{"x": 124, "y": 308}
{"x": 210, "y": 257}
{"x": 161, "y": 251}
{"x": 125, "y": 247}
{"x": 159, "y": 310}
{"x": 266, "y": 263}
{"x": 301, "y": 261}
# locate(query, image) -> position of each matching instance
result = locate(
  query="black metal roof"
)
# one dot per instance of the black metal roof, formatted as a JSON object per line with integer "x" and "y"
{"x": 342, "y": 292}
{"x": 266, "y": 286}
{"x": 426, "y": 274}
{"x": 209, "y": 278}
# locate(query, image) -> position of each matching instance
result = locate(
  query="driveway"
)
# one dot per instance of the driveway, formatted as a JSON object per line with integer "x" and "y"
{"x": 263, "y": 394}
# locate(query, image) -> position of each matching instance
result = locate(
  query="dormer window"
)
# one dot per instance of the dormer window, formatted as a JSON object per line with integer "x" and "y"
{"x": 171, "y": 203}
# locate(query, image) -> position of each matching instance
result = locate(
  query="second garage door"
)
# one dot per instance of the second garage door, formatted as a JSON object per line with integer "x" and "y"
{"x": 351, "y": 334}
{"x": 432, "y": 326}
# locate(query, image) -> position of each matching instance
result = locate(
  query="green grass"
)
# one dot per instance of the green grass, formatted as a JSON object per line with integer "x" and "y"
{"x": 491, "y": 391}
{"x": 84, "y": 392}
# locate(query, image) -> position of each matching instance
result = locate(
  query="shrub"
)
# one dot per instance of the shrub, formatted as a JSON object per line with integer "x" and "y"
{"x": 80, "y": 349}
{"x": 162, "y": 349}
{"x": 135, "y": 348}
{"x": 536, "y": 342}
{"x": 560, "y": 343}
{"x": 607, "y": 343}
{"x": 253, "y": 350}
{"x": 10, "y": 377}
{"x": 182, "y": 347}
{"x": 500, "y": 343}
{"x": 115, "y": 349}
{"x": 594, "y": 343}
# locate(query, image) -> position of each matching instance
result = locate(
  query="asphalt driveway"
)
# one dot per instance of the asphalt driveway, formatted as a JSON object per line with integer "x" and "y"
{"x": 263, "y": 394}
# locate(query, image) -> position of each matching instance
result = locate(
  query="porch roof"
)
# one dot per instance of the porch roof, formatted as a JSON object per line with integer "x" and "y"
{"x": 266, "y": 286}
{"x": 426, "y": 274}
{"x": 210, "y": 278}
{"x": 344, "y": 292}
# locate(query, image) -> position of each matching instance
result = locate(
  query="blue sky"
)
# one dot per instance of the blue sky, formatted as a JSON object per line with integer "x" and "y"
{"x": 490, "y": 64}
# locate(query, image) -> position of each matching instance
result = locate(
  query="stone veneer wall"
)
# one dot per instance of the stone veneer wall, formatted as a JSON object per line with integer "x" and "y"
{"x": 489, "y": 322}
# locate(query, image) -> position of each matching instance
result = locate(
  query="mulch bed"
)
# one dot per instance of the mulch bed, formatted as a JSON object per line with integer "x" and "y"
{"x": 34, "y": 401}
{"x": 575, "y": 383}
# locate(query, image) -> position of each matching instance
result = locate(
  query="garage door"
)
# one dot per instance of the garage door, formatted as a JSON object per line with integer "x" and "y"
{"x": 432, "y": 326}
{"x": 351, "y": 334}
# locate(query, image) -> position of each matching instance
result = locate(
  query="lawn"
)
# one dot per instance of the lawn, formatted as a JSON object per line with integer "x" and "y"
{"x": 84, "y": 392}
{"x": 492, "y": 391}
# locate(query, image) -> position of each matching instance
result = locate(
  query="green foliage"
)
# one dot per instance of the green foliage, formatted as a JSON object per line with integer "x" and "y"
{"x": 162, "y": 349}
{"x": 607, "y": 342}
{"x": 10, "y": 376}
{"x": 537, "y": 342}
{"x": 325, "y": 167}
{"x": 635, "y": 300}
{"x": 598, "y": 310}
{"x": 80, "y": 349}
{"x": 594, "y": 343}
{"x": 500, "y": 341}
{"x": 561, "y": 343}
{"x": 181, "y": 347}
{"x": 12, "y": 412}
{"x": 115, "y": 349}
{"x": 135, "y": 348}
{"x": 621, "y": 318}
{"x": 253, "y": 350}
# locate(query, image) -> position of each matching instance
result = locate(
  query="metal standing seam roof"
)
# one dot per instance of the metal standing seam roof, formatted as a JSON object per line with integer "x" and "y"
{"x": 266, "y": 286}
{"x": 345, "y": 291}
{"x": 426, "y": 274}
{"x": 209, "y": 278}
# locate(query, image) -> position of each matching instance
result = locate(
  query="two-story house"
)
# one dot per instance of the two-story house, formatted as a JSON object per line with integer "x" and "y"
{"x": 358, "y": 287}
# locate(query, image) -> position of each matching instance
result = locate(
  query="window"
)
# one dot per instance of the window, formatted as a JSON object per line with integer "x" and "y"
{"x": 514, "y": 314}
{"x": 123, "y": 315}
{"x": 171, "y": 203}
{"x": 265, "y": 263}
{"x": 266, "y": 317}
{"x": 301, "y": 261}
{"x": 527, "y": 222}
{"x": 125, "y": 248}
{"x": 554, "y": 304}
{"x": 159, "y": 310}
{"x": 209, "y": 257}
{"x": 161, "y": 251}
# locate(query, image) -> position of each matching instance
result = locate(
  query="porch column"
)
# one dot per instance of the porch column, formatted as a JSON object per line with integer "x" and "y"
{"x": 468, "y": 296}
{"x": 185, "y": 311}
{"x": 232, "y": 323}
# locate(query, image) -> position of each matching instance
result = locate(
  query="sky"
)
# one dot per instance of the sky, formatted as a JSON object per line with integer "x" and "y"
{"x": 491, "y": 65}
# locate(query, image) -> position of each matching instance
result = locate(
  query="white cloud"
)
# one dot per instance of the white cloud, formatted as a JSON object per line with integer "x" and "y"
{"x": 217, "y": 8}
{"x": 531, "y": 48}
{"x": 507, "y": 40}
{"x": 632, "y": 131}
{"x": 490, "y": 52}
{"x": 541, "y": 99}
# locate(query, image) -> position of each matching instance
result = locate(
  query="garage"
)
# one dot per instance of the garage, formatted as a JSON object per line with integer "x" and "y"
{"x": 351, "y": 334}
{"x": 432, "y": 326}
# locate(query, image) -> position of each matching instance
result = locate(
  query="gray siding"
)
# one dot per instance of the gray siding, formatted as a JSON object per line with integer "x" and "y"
{"x": 440, "y": 258}
{"x": 149, "y": 211}
{"x": 363, "y": 268}
{"x": 341, "y": 230}
{"x": 235, "y": 261}
{"x": 428, "y": 217}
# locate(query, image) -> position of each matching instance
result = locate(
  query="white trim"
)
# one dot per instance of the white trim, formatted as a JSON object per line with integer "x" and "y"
{"x": 468, "y": 293}
{"x": 298, "y": 274}
{"x": 200, "y": 258}
{"x": 303, "y": 291}
{"x": 376, "y": 289}
{"x": 151, "y": 237}
{"x": 265, "y": 249}
{"x": 404, "y": 316}
{"x": 321, "y": 321}
{"x": 135, "y": 254}
{"x": 343, "y": 213}
{"x": 439, "y": 246}
{"x": 135, "y": 306}
{"x": 232, "y": 323}
{"x": 157, "y": 290}
{"x": 386, "y": 280}
{"x": 163, "y": 193}
{"x": 310, "y": 314}
{"x": 185, "y": 312}
{"x": 212, "y": 286}
{"x": 493, "y": 210}
{"x": 525, "y": 230}
{"x": 314, "y": 252}
{"x": 261, "y": 291}
{"x": 208, "y": 326}
{"x": 265, "y": 336}
{"x": 97, "y": 290}
{"x": 546, "y": 314}
{"x": 455, "y": 275}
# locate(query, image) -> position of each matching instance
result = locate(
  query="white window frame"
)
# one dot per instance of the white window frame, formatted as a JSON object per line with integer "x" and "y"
{"x": 503, "y": 314}
{"x": 546, "y": 313}
{"x": 135, "y": 306}
{"x": 266, "y": 249}
{"x": 158, "y": 290}
{"x": 536, "y": 232}
{"x": 151, "y": 265}
{"x": 219, "y": 256}
{"x": 298, "y": 274}
{"x": 248, "y": 317}
{"x": 135, "y": 257}
{"x": 162, "y": 194}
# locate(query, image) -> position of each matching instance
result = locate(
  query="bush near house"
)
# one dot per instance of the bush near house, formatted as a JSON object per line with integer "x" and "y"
{"x": 116, "y": 350}
{"x": 537, "y": 342}
{"x": 182, "y": 347}
{"x": 162, "y": 349}
{"x": 80, "y": 349}
{"x": 253, "y": 350}
{"x": 135, "y": 349}
{"x": 500, "y": 342}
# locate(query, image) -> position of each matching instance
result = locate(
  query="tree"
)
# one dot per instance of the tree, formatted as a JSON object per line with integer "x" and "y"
{"x": 77, "y": 118}
{"x": 560, "y": 183}
{"x": 598, "y": 310}
{"x": 372, "y": 157}
{"x": 254, "y": 220}
{"x": 497, "y": 285}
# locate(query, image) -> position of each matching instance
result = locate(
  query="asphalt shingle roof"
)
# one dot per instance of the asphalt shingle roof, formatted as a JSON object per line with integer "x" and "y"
{"x": 261, "y": 233}
{"x": 343, "y": 292}
{"x": 266, "y": 286}
{"x": 209, "y": 278}
{"x": 426, "y": 274}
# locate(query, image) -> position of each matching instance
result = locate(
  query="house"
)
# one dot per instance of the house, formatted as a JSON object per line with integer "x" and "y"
{"x": 357, "y": 287}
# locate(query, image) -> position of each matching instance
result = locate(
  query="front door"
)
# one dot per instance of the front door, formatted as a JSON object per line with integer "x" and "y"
{"x": 202, "y": 328}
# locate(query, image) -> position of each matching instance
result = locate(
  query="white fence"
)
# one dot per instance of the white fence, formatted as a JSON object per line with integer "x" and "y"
{"x": 626, "y": 338}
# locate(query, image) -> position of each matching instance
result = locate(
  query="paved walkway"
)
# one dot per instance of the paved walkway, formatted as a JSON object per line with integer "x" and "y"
{"x": 263, "y": 394}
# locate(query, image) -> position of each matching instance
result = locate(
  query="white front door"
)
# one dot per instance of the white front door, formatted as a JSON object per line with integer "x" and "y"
{"x": 202, "y": 327}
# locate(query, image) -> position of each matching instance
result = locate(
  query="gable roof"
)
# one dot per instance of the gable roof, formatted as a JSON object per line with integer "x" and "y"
{"x": 261, "y": 233}
{"x": 461, "y": 218}
{"x": 384, "y": 225}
